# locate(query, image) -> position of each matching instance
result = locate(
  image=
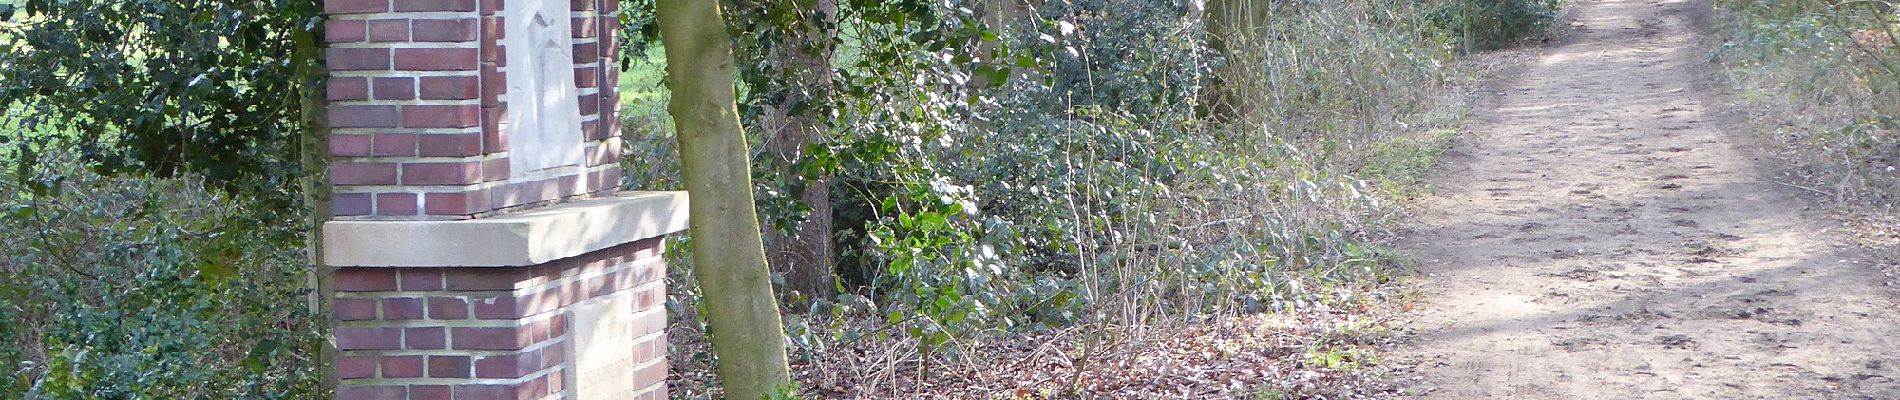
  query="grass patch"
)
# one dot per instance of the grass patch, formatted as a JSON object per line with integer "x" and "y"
{"x": 1401, "y": 164}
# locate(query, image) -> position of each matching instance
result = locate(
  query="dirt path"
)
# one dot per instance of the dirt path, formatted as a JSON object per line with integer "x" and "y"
{"x": 1604, "y": 234}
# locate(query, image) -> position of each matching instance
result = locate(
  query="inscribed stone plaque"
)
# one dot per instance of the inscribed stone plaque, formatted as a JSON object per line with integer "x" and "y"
{"x": 600, "y": 356}
{"x": 544, "y": 117}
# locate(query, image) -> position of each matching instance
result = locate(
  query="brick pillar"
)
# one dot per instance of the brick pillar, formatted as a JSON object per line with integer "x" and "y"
{"x": 483, "y": 249}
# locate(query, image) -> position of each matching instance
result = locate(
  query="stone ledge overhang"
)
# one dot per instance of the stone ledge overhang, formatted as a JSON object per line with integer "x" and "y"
{"x": 529, "y": 238}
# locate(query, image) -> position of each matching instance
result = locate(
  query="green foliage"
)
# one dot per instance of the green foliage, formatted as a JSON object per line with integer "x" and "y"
{"x": 1492, "y": 24}
{"x": 159, "y": 87}
{"x": 1824, "y": 80}
{"x": 138, "y": 288}
{"x": 1400, "y": 164}
{"x": 1053, "y": 169}
{"x": 152, "y": 154}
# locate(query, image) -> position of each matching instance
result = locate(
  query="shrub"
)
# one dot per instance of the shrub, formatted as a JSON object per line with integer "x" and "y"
{"x": 1492, "y": 24}
{"x": 141, "y": 288}
{"x": 1825, "y": 80}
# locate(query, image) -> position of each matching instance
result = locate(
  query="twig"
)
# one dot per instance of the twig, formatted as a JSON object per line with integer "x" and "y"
{"x": 1813, "y": 190}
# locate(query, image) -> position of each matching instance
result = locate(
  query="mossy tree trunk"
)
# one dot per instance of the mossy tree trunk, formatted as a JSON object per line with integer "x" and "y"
{"x": 728, "y": 252}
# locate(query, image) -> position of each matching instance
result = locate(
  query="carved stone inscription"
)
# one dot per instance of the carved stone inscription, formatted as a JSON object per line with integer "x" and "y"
{"x": 600, "y": 356}
{"x": 544, "y": 120}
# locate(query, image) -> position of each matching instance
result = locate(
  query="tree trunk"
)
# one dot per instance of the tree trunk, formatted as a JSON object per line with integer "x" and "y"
{"x": 805, "y": 256}
{"x": 1229, "y": 24}
{"x": 728, "y": 253}
{"x": 313, "y": 148}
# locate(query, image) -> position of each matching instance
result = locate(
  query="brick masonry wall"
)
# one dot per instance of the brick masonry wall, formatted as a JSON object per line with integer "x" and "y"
{"x": 490, "y": 333}
{"x": 418, "y": 111}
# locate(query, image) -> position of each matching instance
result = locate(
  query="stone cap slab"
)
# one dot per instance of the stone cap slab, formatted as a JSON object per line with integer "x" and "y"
{"x": 530, "y": 238}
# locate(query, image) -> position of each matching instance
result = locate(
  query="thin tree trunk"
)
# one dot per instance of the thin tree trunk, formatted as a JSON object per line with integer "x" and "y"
{"x": 313, "y": 148}
{"x": 728, "y": 254}
{"x": 805, "y": 257}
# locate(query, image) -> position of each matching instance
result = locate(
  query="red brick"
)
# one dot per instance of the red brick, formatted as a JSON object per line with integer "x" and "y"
{"x": 350, "y": 145}
{"x": 448, "y": 366}
{"x": 508, "y": 365}
{"x": 501, "y": 307}
{"x": 364, "y": 116}
{"x": 586, "y": 52}
{"x": 446, "y": 30}
{"x": 429, "y": 338}
{"x": 473, "y": 279}
{"x": 508, "y": 338}
{"x": 402, "y": 308}
{"x": 487, "y": 392}
{"x": 496, "y": 169}
{"x": 396, "y": 204}
{"x": 436, "y": 59}
{"x": 455, "y": 203}
{"x": 351, "y": 173}
{"x": 357, "y": 59}
{"x": 653, "y": 296}
{"x": 371, "y": 393}
{"x": 494, "y": 85}
{"x": 430, "y": 392}
{"x": 490, "y": 30}
{"x": 448, "y": 308}
{"x": 451, "y": 87}
{"x": 347, "y": 88}
{"x": 590, "y": 105}
{"x": 402, "y": 367}
{"x": 609, "y": 43}
{"x": 538, "y": 330}
{"x": 458, "y": 173}
{"x": 450, "y": 145}
{"x": 652, "y": 374}
{"x": 649, "y": 348}
{"x": 348, "y": 309}
{"x": 355, "y": 6}
{"x": 649, "y": 322}
{"x": 439, "y": 116}
{"x": 389, "y": 30}
{"x": 591, "y": 129}
{"x": 584, "y": 27}
{"x": 350, "y": 204}
{"x": 493, "y": 140}
{"x": 586, "y": 77}
{"x": 401, "y": 88}
{"x": 607, "y": 179}
{"x": 556, "y": 381}
{"x": 365, "y": 280}
{"x": 368, "y": 338}
{"x": 421, "y": 279}
{"x": 435, "y": 5}
{"x": 394, "y": 144}
{"x": 534, "y": 388}
{"x": 598, "y": 154}
{"x": 355, "y": 367}
{"x": 648, "y": 271}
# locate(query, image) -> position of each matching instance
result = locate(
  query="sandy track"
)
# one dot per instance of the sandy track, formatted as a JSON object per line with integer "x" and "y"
{"x": 1605, "y": 233}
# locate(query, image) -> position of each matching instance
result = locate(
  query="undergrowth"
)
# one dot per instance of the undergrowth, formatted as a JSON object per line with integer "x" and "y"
{"x": 1090, "y": 205}
{"x": 139, "y": 288}
{"x": 1822, "y": 81}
